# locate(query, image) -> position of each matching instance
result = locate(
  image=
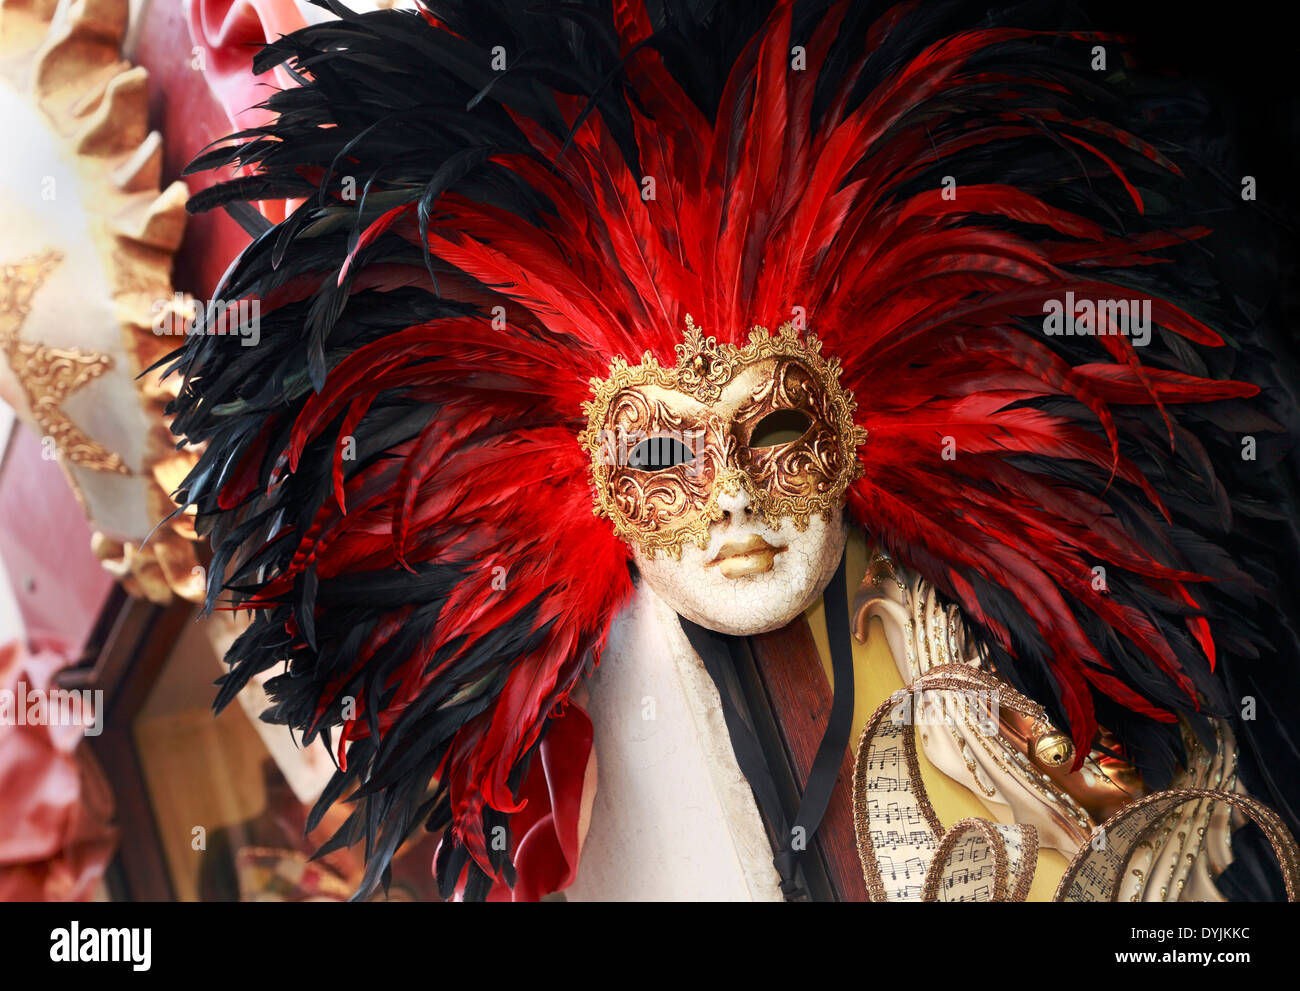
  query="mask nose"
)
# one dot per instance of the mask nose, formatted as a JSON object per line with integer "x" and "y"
{"x": 737, "y": 507}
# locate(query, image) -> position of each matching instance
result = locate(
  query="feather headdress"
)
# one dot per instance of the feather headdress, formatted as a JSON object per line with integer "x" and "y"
{"x": 498, "y": 199}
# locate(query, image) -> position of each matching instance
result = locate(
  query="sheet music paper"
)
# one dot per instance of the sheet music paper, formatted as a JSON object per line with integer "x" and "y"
{"x": 980, "y": 861}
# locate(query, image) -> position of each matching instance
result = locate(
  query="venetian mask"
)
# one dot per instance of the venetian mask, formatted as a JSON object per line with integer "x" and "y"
{"x": 87, "y": 239}
{"x": 726, "y": 474}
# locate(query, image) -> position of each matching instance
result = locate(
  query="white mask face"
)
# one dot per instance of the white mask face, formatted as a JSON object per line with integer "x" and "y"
{"x": 749, "y": 578}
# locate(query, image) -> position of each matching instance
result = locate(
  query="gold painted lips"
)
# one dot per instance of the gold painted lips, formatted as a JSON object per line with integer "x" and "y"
{"x": 751, "y": 556}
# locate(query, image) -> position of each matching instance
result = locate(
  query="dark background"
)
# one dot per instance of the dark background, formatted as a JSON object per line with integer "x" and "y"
{"x": 1245, "y": 57}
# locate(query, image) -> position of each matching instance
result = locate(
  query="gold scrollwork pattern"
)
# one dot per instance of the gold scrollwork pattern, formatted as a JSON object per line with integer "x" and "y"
{"x": 48, "y": 375}
{"x": 664, "y": 509}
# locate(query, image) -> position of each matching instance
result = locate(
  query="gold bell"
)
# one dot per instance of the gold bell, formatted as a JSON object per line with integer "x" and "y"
{"x": 1053, "y": 749}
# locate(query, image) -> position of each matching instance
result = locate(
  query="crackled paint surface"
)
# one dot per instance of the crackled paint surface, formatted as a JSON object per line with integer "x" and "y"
{"x": 695, "y": 587}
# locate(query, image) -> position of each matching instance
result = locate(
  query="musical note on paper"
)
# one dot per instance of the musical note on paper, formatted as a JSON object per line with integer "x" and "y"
{"x": 1096, "y": 880}
{"x": 886, "y": 864}
{"x": 884, "y": 758}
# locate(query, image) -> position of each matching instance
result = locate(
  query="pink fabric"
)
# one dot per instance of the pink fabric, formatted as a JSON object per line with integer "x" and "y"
{"x": 231, "y": 32}
{"x": 55, "y": 805}
{"x": 193, "y": 109}
{"x": 59, "y": 584}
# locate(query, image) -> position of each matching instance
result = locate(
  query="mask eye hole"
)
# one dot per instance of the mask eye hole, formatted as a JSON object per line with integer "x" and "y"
{"x": 781, "y": 426}
{"x": 659, "y": 453}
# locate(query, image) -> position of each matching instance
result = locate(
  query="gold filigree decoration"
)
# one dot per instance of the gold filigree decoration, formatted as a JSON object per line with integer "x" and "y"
{"x": 703, "y": 368}
{"x": 49, "y": 375}
{"x": 665, "y": 510}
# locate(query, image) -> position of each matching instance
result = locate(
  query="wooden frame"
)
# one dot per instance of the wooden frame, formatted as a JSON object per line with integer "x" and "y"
{"x": 128, "y": 647}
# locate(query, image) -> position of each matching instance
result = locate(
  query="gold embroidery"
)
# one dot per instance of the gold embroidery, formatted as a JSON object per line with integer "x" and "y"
{"x": 49, "y": 375}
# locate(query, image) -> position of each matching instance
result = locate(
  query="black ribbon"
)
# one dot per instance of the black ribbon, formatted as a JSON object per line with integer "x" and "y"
{"x": 715, "y": 651}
